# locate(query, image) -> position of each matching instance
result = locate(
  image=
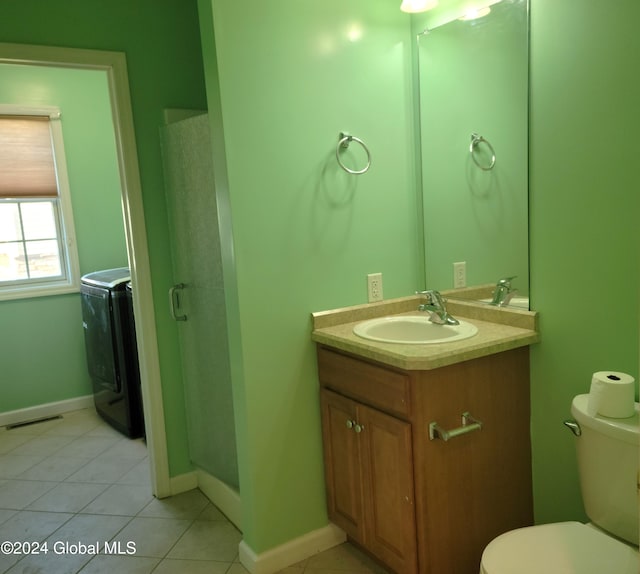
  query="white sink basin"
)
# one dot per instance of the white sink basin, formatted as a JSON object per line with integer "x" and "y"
{"x": 413, "y": 330}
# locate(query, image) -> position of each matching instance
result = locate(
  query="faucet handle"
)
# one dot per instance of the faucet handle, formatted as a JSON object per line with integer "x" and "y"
{"x": 506, "y": 281}
{"x": 433, "y": 296}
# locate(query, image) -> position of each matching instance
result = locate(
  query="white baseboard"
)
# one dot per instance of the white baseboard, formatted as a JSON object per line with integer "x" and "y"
{"x": 183, "y": 483}
{"x": 291, "y": 552}
{"x": 47, "y": 410}
{"x": 222, "y": 495}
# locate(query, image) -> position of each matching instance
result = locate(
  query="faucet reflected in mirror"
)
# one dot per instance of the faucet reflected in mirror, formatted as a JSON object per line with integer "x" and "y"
{"x": 504, "y": 292}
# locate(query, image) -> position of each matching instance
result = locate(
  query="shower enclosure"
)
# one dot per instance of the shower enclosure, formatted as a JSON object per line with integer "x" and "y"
{"x": 197, "y": 298}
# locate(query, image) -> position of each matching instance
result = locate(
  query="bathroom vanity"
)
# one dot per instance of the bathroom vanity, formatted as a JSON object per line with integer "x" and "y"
{"x": 415, "y": 501}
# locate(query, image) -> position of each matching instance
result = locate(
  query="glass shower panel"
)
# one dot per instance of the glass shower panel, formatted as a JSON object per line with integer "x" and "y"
{"x": 195, "y": 246}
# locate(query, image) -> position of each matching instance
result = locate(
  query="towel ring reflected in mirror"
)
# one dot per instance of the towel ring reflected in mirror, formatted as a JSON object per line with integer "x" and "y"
{"x": 344, "y": 139}
{"x": 476, "y": 140}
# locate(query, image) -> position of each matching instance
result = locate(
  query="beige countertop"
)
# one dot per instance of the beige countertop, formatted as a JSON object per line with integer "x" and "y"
{"x": 499, "y": 329}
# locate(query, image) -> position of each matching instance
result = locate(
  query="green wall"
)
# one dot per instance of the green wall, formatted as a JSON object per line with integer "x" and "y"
{"x": 584, "y": 215}
{"x": 164, "y": 61}
{"x": 292, "y": 76}
{"x": 43, "y": 357}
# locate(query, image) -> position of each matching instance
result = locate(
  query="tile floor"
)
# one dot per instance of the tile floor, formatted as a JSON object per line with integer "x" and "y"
{"x": 75, "y": 481}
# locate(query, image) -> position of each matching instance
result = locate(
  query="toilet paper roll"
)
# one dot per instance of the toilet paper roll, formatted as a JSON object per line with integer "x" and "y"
{"x": 612, "y": 395}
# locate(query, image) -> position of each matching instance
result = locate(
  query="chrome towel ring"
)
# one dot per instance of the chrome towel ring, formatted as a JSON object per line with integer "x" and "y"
{"x": 476, "y": 140}
{"x": 344, "y": 139}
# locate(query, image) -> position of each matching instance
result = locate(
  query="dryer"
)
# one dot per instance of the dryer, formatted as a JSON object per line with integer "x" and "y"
{"x": 110, "y": 342}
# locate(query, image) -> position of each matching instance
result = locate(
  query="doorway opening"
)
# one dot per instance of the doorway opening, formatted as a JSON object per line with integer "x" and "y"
{"x": 113, "y": 65}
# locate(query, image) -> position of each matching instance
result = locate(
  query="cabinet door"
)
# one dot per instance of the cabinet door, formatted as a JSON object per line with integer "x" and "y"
{"x": 478, "y": 485}
{"x": 387, "y": 470}
{"x": 342, "y": 464}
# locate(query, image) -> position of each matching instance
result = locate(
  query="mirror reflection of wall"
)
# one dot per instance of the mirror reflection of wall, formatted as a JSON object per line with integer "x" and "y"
{"x": 473, "y": 79}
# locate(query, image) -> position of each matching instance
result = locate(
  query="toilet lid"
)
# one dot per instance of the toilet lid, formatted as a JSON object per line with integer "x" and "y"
{"x": 560, "y": 548}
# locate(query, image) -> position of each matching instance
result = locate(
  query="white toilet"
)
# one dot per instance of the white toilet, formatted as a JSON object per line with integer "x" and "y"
{"x": 607, "y": 452}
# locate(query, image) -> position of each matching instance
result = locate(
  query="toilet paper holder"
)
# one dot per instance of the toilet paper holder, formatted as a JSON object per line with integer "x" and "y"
{"x": 469, "y": 424}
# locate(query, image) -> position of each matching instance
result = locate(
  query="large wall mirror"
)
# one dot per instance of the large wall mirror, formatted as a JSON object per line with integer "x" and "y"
{"x": 473, "y": 86}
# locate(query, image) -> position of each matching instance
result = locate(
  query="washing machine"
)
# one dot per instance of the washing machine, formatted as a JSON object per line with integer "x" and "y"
{"x": 110, "y": 343}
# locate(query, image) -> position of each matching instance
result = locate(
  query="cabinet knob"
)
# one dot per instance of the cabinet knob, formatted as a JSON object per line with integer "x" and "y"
{"x": 354, "y": 425}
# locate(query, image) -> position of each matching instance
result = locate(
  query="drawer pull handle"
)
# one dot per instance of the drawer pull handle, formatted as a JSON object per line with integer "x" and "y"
{"x": 469, "y": 424}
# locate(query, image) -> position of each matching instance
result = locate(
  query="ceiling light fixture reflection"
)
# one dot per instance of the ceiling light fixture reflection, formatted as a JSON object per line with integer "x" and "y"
{"x": 415, "y": 6}
{"x": 475, "y": 13}
{"x": 354, "y": 33}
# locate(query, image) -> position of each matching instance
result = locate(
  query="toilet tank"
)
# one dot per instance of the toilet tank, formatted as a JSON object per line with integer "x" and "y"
{"x": 607, "y": 453}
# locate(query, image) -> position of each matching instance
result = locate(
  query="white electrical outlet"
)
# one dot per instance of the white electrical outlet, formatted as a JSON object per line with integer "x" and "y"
{"x": 460, "y": 274}
{"x": 374, "y": 287}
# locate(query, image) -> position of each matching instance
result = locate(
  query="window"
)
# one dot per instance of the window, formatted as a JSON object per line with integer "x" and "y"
{"x": 37, "y": 245}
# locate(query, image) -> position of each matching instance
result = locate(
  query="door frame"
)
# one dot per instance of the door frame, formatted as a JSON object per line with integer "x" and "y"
{"x": 115, "y": 66}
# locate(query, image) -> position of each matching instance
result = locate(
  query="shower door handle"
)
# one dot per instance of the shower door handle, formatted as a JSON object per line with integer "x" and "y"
{"x": 174, "y": 302}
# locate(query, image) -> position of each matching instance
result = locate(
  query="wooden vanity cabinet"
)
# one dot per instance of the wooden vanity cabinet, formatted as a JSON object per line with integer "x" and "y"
{"x": 422, "y": 505}
{"x": 369, "y": 466}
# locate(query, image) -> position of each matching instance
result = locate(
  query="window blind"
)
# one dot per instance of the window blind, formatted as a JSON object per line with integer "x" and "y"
{"x": 27, "y": 167}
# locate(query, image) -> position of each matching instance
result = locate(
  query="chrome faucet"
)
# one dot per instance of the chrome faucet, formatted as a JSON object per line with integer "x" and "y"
{"x": 436, "y": 308}
{"x": 503, "y": 292}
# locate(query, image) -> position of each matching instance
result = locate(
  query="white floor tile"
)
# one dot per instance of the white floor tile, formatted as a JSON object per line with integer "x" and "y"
{"x": 140, "y": 474}
{"x": 76, "y": 479}
{"x": 68, "y": 497}
{"x": 50, "y": 563}
{"x": 90, "y": 528}
{"x": 73, "y": 426}
{"x": 13, "y": 465}
{"x": 17, "y": 494}
{"x": 104, "y": 469}
{"x": 32, "y": 526}
{"x": 10, "y": 440}
{"x": 6, "y": 514}
{"x": 120, "y": 564}
{"x": 187, "y": 505}
{"x": 208, "y": 541}
{"x": 210, "y": 512}
{"x": 170, "y": 566}
{"x": 54, "y": 468}
{"x": 44, "y": 445}
{"x": 344, "y": 557}
{"x": 128, "y": 448}
{"x": 120, "y": 499}
{"x": 153, "y": 537}
{"x": 86, "y": 446}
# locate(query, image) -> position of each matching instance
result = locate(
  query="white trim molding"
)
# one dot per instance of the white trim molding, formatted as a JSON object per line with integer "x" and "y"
{"x": 183, "y": 483}
{"x": 291, "y": 552}
{"x": 222, "y": 495}
{"x": 45, "y": 411}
